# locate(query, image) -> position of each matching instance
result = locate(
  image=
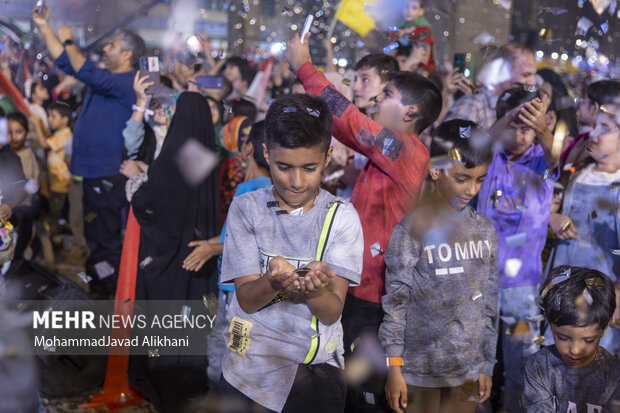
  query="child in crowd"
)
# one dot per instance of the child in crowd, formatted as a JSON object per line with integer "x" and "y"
{"x": 576, "y": 374}
{"x": 26, "y": 212}
{"x": 59, "y": 118}
{"x": 587, "y": 227}
{"x": 597, "y": 94}
{"x": 439, "y": 328}
{"x": 285, "y": 339}
{"x": 415, "y": 30}
{"x": 372, "y": 74}
{"x": 390, "y": 181}
{"x": 256, "y": 177}
{"x": 516, "y": 196}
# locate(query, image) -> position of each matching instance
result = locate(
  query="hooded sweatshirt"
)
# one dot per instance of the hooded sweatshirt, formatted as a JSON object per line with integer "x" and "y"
{"x": 441, "y": 297}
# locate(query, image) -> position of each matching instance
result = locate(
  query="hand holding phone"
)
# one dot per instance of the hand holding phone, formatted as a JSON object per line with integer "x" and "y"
{"x": 307, "y": 26}
{"x": 149, "y": 66}
{"x": 40, "y": 6}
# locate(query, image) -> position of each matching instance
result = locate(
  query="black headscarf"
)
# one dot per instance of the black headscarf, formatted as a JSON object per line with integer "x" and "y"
{"x": 173, "y": 213}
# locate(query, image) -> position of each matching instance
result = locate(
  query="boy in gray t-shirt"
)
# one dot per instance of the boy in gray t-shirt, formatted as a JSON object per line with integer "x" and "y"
{"x": 440, "y": 297}
{"x": 575, "y": 375}
{"x": 292, "y": 250}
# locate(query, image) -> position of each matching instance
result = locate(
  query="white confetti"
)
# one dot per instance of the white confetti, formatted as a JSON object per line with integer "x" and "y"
{"x": 476, "y": 296}
{"x": 512, "y": 267}
{"x": 583, "y": 25}
{"x": 495, "y": 72}
{"x": 615, "y": 252}
{"x": 104, "y": 269}
{"x": 375, "y": 249}
{"x": 85, "y": 277}
{"x": 31, "y": 187}
{"x": 195, "y": 161}
{"x": 587, "y": 296}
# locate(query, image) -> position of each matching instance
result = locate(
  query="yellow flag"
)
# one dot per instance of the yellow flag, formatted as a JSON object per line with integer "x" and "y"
{"x": 352, "y": 13}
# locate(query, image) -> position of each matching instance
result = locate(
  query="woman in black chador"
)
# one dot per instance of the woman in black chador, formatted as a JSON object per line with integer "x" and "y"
{"x": 172, "y": 213}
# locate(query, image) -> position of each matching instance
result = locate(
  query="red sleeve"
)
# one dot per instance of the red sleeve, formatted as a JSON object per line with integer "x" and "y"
{"x": 390, "y": 150}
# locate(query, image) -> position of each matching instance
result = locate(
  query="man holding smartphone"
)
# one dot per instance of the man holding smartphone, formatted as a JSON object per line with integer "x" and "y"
{"x": 97, "y": 138}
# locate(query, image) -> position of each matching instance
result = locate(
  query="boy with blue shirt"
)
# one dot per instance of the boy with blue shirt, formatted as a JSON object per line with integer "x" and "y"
{"x": 516, "y": 196}
{"x": 439, "y": 328}
{"x": 576, "y": 375}
{"x": 292, "y": 250}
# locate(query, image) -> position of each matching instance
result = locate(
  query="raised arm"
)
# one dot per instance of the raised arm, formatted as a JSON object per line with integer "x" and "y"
{"x": 55, "y": 44}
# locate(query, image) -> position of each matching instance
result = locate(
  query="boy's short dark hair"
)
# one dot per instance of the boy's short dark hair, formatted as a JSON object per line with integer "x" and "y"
{"x": 382, "y": 63}
{"x": 512, "y": 98}
{"x": 473, "y": 143}
{"x": 565, "y": 301}
{"x": 418, "y": 90}
{"x": 19, "y": 118}
{"x": 298, "y": 121}
{"x": 243, "y": 107}
{"x": 432, "y": 76}
{"x": 257, "y": 138}
{"x": 33, "y": 88}
{"x": 604, "y": 92}
{"x": 63, "y": 109}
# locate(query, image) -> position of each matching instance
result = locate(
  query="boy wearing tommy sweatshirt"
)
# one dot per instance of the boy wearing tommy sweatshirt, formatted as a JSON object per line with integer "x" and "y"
{"x": 441, "y": 285}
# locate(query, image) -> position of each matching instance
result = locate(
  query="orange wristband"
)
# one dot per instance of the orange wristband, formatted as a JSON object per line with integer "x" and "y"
{"x": 394, "y": 361}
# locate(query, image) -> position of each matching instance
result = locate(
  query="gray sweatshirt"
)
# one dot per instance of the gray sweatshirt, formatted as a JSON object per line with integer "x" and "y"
{"x": 553, "y": 387}
{"x": 441, "y": 298}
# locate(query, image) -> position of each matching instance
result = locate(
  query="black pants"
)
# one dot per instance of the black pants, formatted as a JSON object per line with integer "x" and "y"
{"x": 361, "y": 318}
{"x": 317, "y": 388}
{"x": 103, "y": 201}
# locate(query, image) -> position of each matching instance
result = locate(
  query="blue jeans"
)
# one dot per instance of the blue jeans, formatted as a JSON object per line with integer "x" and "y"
{"x": 215, "y": 339}
{"x": 518, "y": 304}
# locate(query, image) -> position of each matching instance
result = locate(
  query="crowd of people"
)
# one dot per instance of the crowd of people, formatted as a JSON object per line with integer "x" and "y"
{"x": 392, "y": 217}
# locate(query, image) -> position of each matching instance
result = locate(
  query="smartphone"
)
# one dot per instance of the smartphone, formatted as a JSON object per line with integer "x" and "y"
{"x": 40, "y": 6}
{"x": 4, "y": 131}
{"x": 459, "y": 62}
{"x": 210, "y": 82}
{"x": 307, "y": 26}
{"x": 149, "y": 66}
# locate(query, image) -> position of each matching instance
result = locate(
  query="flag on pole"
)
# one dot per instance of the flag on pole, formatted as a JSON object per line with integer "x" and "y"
{"x": 353, "y": 14}
{"x": 257, "y": 90}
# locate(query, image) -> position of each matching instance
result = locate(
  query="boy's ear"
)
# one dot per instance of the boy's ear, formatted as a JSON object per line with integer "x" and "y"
{"x": 433, "y": 173}
{"x": 411, "y": 113}
{"x": 266, "y": 152}
{"x": 328, "y": 155}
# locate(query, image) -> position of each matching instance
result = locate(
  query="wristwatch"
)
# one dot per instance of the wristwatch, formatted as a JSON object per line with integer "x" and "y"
{"x": 67, "y": 42}
{"x": 394, "y": 361}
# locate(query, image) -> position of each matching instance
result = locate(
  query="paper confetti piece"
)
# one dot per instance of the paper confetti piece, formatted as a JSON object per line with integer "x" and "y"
{"x": 584, "y": 24}
{"x": 145, "y": 262}
{"x": 387, "y": 49}
{"x": 587, "y": 296}
{"x": 512, "y": 267}
{"x": 195, "y": 161}
{"x": 476, "y": 296}
{"x": 515, "y": 240}
{"x": 375, "y": 249}
{"x": 85, "y": 277}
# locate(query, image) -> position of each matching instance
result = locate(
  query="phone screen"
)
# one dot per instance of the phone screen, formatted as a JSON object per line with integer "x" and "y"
{"x": 459, "y": 62}
{"x": 210, "y": 82}
{"x": 149, "y": 66}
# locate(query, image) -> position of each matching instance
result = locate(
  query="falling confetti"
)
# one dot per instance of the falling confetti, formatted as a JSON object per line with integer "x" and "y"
{"x": 512, "y": 267}
{"x": 145, "y": 262}
{"x": 476, "y": 296}
{"x": 85, "y": 277}
{"x": 587, "y": 296}
{"x": 515, "y": 240}
{"x": 375, "y": 249}
{"x": 195, "y": 161}
{"x": 583, "y": 25}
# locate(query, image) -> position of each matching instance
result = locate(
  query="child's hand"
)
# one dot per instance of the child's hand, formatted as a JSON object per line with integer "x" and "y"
{"x": 281, "y": 276}
{"x": 139, "y": 86}
{"x": 563, "y": 226}
{"x": 396, "y": 390}
{"x": 533, "y": 115}
{"x": 129, "y": 169}
{"x": 484, "y": 388}
{"x": 5, "y": 211}
{"x": 317, "y": 279}
{"x": 203, "y": 251}
{"x": 457, "y": 81}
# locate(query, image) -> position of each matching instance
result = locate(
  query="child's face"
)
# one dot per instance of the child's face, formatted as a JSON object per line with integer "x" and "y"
{"x": 458, "y": 185}
{"x": 518, "y": 138}
{"x": 604, "y": 139}
{"x": 41, "y": 93}
{"x": 391, "y": 110}
{"x": 296, "y": 174}
{"x": 587, "y": 111}
{"x": 56, "y": 121}
{"x": 160, "y": 117}
{"x": 577, "y": 345}
{"x": 17, "y": 135}
{"x": 367, "y": 84}
{"x": 412, "y": 10}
